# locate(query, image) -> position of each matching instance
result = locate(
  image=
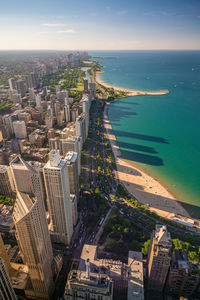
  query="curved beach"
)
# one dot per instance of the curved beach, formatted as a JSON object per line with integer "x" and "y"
{"x": 142, "y": 186}
{"x": 130, "y": 92}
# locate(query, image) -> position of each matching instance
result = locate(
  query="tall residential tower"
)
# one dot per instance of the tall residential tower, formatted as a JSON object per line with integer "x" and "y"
{"x": 58, "y": 198}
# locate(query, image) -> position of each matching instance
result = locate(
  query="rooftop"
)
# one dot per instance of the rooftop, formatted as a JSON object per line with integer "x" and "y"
{"x": 135, "y": 284}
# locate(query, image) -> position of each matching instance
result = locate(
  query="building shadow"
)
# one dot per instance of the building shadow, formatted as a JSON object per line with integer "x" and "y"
{"x": 139, "y": 136}
{"x": 136, "y": 147}
{"x": 141, "y": 158}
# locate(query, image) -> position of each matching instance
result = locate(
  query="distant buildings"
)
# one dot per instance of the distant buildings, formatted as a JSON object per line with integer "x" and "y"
{"x": 58, "y": 198}
{"x": 159, "y": 257}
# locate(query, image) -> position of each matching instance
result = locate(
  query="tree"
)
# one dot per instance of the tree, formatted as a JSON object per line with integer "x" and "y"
{"x": 97, "y": 191}
{"x": 145, "y": 248}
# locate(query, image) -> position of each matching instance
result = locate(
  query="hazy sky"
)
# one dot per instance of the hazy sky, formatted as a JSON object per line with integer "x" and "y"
{"x": 99, "y": 24}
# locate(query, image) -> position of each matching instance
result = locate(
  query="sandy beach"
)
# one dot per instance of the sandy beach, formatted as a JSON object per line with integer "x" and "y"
{"x": 143, "y": 187}
{"x": 129, "y": 91}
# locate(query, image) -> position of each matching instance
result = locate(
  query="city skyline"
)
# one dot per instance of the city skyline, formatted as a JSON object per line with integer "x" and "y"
{"x": 92, "y": 25}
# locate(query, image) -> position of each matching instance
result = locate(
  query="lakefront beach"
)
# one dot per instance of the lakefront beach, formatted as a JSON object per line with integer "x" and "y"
{"x": 130, "y": 92}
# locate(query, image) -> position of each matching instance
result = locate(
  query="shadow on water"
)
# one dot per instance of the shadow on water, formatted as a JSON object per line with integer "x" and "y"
{"x": 141, "y": 158}
{"x": 134, "y": 103}
{"x": 141, "y": 136}
{"x": 138, "y": 147}
{"x": 123, "y": 115}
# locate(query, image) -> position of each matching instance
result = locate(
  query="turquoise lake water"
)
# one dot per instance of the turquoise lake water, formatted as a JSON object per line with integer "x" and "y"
{"x": 160, "y": 134}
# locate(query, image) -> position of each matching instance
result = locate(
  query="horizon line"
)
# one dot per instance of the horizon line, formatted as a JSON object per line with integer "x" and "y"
{"x": 100, "y": 49}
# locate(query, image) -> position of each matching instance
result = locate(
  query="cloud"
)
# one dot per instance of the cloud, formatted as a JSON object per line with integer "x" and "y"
{"x": 66, "y": 31}
{"x": 54, "y": 25}
{"x": 198, "y": 17}
{"x": 122, "y": 12}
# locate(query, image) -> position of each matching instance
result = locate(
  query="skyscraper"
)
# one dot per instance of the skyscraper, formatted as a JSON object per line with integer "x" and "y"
{"x": 26, "y": 179}
{"x": 21, "y": 88}
{"x": 6, "y": 289}
{"x": 80, "y": 127}
{"x": 72, "y": 164}
{"x": 12, "y": 83}
{"x": 4, "y": 256}
{"x": 58, "y": 198}
{"x": 159, "y": 257}
{"x": 31, "y": 228}
{"x": 6, "y": 186}
{"x": 34, "y": 243}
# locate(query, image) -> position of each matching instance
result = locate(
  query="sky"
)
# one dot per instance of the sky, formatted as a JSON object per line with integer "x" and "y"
{"x": 99, "y": 24}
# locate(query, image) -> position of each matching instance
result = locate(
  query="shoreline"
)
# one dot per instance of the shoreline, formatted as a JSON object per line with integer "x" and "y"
{"x": 129, "y": 92}
{"x": 146, "y": 189}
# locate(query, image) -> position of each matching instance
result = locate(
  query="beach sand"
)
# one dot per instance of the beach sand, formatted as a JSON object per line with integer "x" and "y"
{"x": 129, "y": 91}
{"x": 143, "y": 187}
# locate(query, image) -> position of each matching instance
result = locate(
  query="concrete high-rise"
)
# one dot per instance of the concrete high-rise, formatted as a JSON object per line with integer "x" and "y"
{"x": 58, "y": 198}
{"x": 85, "y": 86}
{"x": 80, "y": 127}
{"x": 21, "y": 88}
{"x": 4, "y": 256}
{"x": 72, "y": 164}
{"x": 72, "y": 144}
{"x": 34, "y": 243}
{"x": 26, "y": 179}
{"x": 12, "y": 84}
{"x": 6, "y": 289}
{"x": 183, "y": 277}
{"x": 6, "y": 186}
{"x": 159, "y": 258}
{"x": 20, "y": 129}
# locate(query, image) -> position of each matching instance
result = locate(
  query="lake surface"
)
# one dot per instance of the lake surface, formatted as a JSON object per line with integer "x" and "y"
{"x": 159, "y": 134}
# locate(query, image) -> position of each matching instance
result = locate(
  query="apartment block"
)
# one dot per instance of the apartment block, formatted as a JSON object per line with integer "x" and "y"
{"x": 58, "y": 198}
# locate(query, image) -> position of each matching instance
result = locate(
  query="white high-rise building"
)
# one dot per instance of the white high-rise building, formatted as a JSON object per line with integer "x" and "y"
{"x": 31, "y": 94}
{"x": 12, "y": 83}
{"x": 80, "y": 127}
{"x": 38, "y": 100}
{"x": 6, "y": 289}
{"x": 67, "y": 113}
{"x": 20, "y": 129}
{"x": 58, "y": 198}
{"x": 72, "y": 144}
{"x": 86, "y": 109}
